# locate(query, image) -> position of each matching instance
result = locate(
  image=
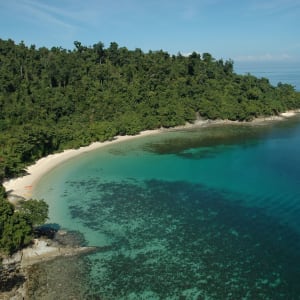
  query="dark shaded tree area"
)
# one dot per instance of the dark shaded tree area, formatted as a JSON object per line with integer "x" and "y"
{"x": 17, "y": 225}
{"x": 53, "y": 99}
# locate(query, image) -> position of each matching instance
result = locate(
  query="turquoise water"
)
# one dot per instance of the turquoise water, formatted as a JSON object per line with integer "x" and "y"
{"x": 208, "y": 213}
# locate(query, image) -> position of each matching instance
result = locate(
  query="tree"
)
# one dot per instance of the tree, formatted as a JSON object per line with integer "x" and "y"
{"x": 16, "y": 234}
{"x": 34, "y": 211}
{"x": 99, "y": 49}
{"x": 6, "y": 211}
{"x": 79, "y": 46}
{"x": 112, "y": 53}
{"x": 16, "y": 226}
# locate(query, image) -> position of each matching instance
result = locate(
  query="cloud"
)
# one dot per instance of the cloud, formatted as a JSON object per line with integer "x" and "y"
{"x": 263, "y": 58}
{"x": 64, "y": 14}
{"x": 189, "y": 13}
{"x": 192, "y": 9}
{"x": 34, "y": 11}
{"x": 271, "y": 7}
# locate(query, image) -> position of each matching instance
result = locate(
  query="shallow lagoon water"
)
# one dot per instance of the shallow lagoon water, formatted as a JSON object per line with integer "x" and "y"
{"x": 208, "y": 213}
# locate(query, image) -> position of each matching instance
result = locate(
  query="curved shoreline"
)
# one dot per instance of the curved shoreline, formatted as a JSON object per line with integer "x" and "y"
{"x": 24, "y": 186}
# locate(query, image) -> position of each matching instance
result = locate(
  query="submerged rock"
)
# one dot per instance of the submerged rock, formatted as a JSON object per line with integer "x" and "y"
{"x": 60, "y": 278}
{"x": 11, "y": 281}
{"x": 17, "y": 273}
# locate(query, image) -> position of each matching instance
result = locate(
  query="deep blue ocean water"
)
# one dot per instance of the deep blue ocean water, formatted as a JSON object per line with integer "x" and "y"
{"x": 207, "y": 213}
{"x": 284, "y": 72}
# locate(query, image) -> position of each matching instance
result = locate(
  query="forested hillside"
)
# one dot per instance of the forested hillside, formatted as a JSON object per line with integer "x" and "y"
{"x": 53, "y": 99}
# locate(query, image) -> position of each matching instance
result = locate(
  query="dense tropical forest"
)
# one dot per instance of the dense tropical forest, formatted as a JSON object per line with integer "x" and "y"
{"x": 53, "y": 99}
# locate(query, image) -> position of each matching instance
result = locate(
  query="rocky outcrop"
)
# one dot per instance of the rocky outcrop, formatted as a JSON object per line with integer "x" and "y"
{"x": 43, "y": 251}
{"x": 11, "y": 280}
{"x": 13, "y": 270}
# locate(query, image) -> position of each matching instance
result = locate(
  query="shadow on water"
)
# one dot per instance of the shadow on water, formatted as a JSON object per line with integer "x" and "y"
{"x": 215, "y": 139}
{"x": 177, "y": 239}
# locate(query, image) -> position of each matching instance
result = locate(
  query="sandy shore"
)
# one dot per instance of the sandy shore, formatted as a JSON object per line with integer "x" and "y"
{"x": 23, "y": 186}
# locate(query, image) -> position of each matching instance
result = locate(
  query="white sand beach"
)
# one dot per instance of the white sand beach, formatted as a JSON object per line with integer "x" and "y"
{"x": 290, "y": 113}
{"x": 23, "y": 186}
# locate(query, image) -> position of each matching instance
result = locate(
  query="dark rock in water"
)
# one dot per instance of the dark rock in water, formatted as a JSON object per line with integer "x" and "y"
{"x": 69, "y": 238}
{"x": 60, "y": 237}
{"x": 10, "y": 277}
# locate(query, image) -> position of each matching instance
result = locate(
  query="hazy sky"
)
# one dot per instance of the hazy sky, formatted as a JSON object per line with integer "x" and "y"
{"x": 243, "y": 30}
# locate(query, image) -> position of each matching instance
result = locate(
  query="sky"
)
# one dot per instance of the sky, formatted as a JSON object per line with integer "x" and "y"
{"x": 242, "y": 30}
